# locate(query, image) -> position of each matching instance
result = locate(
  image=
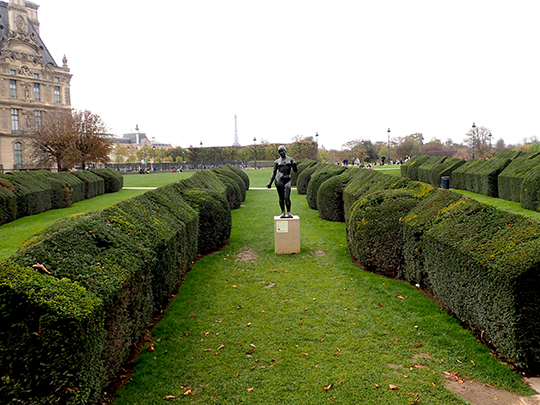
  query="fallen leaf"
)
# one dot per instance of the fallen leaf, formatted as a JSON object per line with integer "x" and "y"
{"x": 250, "y": 389}
{"x": 416, "y": 400}
{"x": 400, "y": 297}
{"x": 252, "y": 345}
{"x": 459, "y": 361}
{"x": 248, "y": 324}
{"x": 233, "y": 286}
{"x": 393, "y": 387}
{"x": 473, "y": 363}
{"x": 221, "y": 347}
{"x": 341, "y": 382}
{"x": 170, "y": 397}
{"x": 188, "y": 392}
{"x": 151, "y": 348}
{"x": 305, "y": 354}
{"x": 330, "y": 386}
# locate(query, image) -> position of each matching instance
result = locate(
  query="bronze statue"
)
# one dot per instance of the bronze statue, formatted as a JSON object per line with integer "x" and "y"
{"x": 282, "y": 175}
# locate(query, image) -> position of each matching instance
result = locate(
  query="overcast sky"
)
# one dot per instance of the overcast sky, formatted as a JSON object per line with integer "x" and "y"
{"x": 181, "y": 69}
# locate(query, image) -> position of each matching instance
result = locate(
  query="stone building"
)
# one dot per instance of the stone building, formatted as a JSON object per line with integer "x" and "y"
{"x": 31, "y": 83}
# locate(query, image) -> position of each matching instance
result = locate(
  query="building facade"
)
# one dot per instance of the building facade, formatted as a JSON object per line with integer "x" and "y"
{"x": 31, "y": 83}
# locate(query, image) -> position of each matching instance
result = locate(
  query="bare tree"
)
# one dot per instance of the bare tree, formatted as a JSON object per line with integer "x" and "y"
{"x": 91, "y": 141}
{"x": 478, "y": 139}
{"x": 53, "y": 141}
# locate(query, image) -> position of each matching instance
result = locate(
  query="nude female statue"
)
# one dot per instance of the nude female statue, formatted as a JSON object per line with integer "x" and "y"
{"x": 282, "y": 175}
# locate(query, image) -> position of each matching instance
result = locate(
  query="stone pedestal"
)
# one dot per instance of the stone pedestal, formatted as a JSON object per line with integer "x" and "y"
{"x": 287, "y": 234}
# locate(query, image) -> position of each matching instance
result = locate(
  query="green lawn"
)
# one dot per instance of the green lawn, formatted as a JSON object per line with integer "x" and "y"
{"x": 307, "y": 328}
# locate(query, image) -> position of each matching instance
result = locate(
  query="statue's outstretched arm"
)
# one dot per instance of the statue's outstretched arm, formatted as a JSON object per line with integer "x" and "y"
{"x": 269, "y": 185}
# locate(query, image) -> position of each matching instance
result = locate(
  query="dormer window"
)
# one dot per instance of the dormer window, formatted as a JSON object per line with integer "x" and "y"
{"x": 36, "y": 76}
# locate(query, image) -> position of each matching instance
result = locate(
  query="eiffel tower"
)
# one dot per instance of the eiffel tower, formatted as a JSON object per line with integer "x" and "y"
{"x": 236, "y": 143}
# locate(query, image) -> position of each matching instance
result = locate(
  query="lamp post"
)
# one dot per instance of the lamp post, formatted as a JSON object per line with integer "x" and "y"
{"x": 474, "y": 128}
{"x": 317, "y": 141}
{"x": 201, "y": 156}
{"x": 255, "y": 151}
{"x": 388, "y": 157}
{"x": 489, "y": 145}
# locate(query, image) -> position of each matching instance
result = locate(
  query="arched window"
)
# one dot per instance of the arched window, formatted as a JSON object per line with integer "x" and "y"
{"x": 17, "y": 155}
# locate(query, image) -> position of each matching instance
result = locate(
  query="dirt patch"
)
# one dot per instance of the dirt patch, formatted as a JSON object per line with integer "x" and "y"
{"x": 481, "y": 394}
{"x": 319, "y": 253}
{"x": 247, "y": 255}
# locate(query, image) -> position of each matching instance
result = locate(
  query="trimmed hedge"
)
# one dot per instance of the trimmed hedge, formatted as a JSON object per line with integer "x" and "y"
{"x": 530, "y": 190}
{"x": 94, "y": 185}
{"x": 301, "y": 166}
{"x": 240, "y": 173}
{"x": 33, "y": 195}
{"x": 226, "y": 171}
{"x": 427, "y": 172}
{"x": 374, "y": 229}
{"x": 304, "y": 177}
{"x": 114, "y": 181}
{"x": 8, "y": 202}
{"x": 318, "y": 178}
{"x": 480, "y": 176}
{"x": 410, "y": 169}
{"x": 367, "y": 181}
{"x": 511, "y": 178}
{"x": 508, "y": 154}
{"x": 65, "y": 335}
{"x": 483, "y": 266}
{"x": 330, "y": 196}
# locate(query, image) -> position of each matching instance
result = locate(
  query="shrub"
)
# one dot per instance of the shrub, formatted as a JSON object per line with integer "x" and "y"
{"x": 426, "y": 169}
{"x": 93, "y": 184}
{"x": 33, "y": 195}
{"x": 511, "y": 178}
{"x": 319, "y": 177}
{"x": 374, "y": 230}
{"x": 410, "y": 169}
{"x": 483, "y": 266}
{"x": 226, "y": 171}
{"x": 114, "y": 181}
{"x": 415, "y": 225}
{"x": 8, "y": 203}
{"x": 301, "y": 165}
{"x": 52, "y": 339}
{"x": 530, "y": 190}
{"x": 305, "y": 176}
{"x": 369, "y": 181}
{"x": 215, "y": 220}
{"x": 130, "y": 256}
{"x": 480, "y": 176}
{"x": 330, "y": 196}
{"x": 240, "y": 173}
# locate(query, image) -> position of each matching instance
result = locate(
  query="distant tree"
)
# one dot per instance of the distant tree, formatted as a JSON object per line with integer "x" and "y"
{"x": 53, "y": 141}
{"x": 176, "y": 153}
{"x": 91, "y": 142}
{"x": 500, "y": 145}
{"x": 363, "y": 149}
{"x": 480, "y": 137}
{"x": 409, "y": 145}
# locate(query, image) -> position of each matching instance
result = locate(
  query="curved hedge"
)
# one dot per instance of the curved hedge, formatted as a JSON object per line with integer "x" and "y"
{"x": 114, "y": 181}
{"x": 225, "y": 171}
{"x": 367, "y": 181}
{"x": 305, "y": 176}
{"x": 330, "y": 196}
{"x": 318, "y": 178}
{"x": 240, "y": 173}
{"x": 301, "y": 165}
{"x": 374, "y": 229}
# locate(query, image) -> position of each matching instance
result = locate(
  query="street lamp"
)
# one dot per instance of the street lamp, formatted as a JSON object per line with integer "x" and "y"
{"x": 388, "y": 157}
{"x": 422, "y": 146}
{"x": 255, "y": 150}
{"x": 154, "y": 150}
{"x": 317, "y": 140}
{"x": 201, "y": 156}
{"x": 474, "y": 127}
{"x": 489, "y": 145}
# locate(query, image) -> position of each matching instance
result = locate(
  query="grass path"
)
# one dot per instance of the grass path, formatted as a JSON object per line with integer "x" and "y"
{"x": 252, "y": 327}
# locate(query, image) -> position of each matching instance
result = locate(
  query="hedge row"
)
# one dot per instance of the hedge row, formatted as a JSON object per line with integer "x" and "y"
{"x": 302, "y": 165}
{"x": 479, "y": 262}
{"x": 480, "y": 176}
{"x": 31, "y": 192}
{"x": 410, "y": 169}
{"x": 330, "y": 196}
{"x": 304, "y": 177}
{"x": 319, "y": 176}
{"x": 511, "y": 178}
{"x": 65, "y": 335}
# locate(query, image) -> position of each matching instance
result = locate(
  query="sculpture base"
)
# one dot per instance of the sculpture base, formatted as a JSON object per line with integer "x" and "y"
{"x": 287, "y": 234}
